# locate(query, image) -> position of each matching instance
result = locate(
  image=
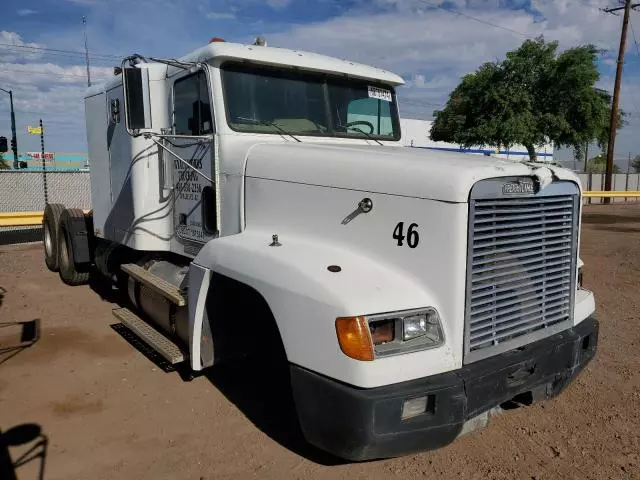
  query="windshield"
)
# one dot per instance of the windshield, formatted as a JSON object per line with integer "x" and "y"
{"x": 265, "y": 100}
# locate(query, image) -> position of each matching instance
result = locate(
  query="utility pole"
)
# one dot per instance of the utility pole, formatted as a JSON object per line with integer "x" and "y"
{"x": 44, "y": 167}
{"x": 613, "y": 124}
{"x": 86, "y": 50}
{"x": 14, "y": 138}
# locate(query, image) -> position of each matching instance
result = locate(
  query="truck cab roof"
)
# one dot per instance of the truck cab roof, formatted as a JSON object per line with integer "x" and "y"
{"x": 218, "y": 52}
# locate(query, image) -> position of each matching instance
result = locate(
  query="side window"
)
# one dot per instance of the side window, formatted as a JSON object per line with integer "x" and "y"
{"x": 192, "y": 106}
{"x": 375, "y": 114}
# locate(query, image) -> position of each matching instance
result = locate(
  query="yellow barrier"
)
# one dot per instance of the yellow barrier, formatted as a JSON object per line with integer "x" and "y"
{"x": 23, "y": 219}
{"x": 20, "y": 219}
{"x": 616, "y": 194}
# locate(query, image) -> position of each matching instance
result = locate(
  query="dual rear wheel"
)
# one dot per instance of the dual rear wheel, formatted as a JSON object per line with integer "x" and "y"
{"x": 59, "y": 225}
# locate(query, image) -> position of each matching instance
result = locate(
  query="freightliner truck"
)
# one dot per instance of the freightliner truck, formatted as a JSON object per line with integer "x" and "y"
{"x": 258, "y": 200}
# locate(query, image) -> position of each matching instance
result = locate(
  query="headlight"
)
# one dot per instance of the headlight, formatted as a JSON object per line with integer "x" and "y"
{"x": 367, "y": 337}
{"x": 426, "y": 323}
{"x": 403, "y": 332}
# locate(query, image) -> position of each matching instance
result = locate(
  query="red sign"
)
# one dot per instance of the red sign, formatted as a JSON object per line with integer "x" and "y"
{"x": 48, "y": 156}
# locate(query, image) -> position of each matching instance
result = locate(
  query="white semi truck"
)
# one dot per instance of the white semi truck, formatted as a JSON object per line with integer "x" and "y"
{"x": 250, "y": 197}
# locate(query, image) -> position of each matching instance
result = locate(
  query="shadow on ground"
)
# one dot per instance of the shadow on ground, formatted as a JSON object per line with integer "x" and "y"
{"x": 105, "y": 289}
{"x": 20, "y": 235}
{"x": 262, "y": 392}
{"x": 260, "y": 389}
{"x": 29, "y": 436}
{"x": 16, "y": 336}
{"x": 620, "y": 229}
{"x": 594, "y": 218}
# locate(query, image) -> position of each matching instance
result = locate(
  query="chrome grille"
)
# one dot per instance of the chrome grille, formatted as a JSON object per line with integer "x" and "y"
{"x": 521, "y": 266}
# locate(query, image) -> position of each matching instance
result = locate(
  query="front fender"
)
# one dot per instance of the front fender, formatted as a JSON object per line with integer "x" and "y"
{"x": 306, "y": 298}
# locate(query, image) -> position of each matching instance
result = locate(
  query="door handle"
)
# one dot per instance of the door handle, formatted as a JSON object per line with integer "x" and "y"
{"x": 364, "y": 206}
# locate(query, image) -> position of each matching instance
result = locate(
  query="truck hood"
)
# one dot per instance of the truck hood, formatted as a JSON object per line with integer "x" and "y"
{"x": 411, "y": 172}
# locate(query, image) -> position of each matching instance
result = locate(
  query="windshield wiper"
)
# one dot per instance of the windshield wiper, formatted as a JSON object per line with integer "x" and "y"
{"x": 368, "y": 135}
{"x": 269, "y": 123}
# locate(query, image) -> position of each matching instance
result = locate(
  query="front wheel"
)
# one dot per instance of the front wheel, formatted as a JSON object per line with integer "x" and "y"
{"x": 69, "y": 272}
{"x": 51, "y": 225}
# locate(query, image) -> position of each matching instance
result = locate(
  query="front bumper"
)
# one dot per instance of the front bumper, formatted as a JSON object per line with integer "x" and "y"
{"x": 362, "y": 424}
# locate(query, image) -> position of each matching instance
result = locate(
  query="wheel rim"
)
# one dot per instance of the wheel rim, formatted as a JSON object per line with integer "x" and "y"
{"x": 48, "y": 241}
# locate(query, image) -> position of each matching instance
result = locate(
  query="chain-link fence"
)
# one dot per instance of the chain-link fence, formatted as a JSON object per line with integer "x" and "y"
{"x": 24, "y": 192}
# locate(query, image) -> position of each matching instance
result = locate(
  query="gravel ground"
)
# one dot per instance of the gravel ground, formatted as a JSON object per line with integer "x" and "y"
{"x": 108, "y": 412}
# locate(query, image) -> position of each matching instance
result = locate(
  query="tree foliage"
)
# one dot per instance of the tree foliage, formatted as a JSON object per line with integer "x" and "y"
{"x": 598, "y": 164}
{"x": 533, "y": 96}
{"x": 635, "y": 164}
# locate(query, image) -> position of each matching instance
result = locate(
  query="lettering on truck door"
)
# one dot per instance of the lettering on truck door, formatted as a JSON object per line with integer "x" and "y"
{"x": 194, "y": 208}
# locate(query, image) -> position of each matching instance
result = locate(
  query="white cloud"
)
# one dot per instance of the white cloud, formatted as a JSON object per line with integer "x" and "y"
{"x": 49, "y": 91}
{"x": 13, "y": 48}
{"x": 220, "y": 15}
{"x": 23, "y": 12}
{"x": 44, "y": 75}
{"x": 278, "y": 3}
{"x": 85, "y": 2}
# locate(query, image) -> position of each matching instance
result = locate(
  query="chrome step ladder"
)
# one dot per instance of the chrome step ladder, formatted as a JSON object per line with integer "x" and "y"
{"x": 152, "y": 337}
{"x": 155, "y": 283}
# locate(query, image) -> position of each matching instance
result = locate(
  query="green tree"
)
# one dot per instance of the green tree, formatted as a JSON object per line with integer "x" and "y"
{"x": 533, "y": 96}
{"x": 635, "y": 164}
{"x": 4, "y": 165}
{"x": 598, "y": 164}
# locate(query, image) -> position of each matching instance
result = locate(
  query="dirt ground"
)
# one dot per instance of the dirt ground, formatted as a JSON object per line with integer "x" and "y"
{"x": 105, "y": 411}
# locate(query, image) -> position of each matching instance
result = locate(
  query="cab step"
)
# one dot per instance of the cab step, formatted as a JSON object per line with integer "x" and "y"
{"x": 152, "y": 337}
{"x": 155, "y": 283}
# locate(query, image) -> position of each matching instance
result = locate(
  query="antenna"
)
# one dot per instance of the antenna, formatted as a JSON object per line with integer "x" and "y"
{"x": 86, "y": 50}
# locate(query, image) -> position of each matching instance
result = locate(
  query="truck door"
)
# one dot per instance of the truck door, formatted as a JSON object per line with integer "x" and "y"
{"x": 195, "y": 207}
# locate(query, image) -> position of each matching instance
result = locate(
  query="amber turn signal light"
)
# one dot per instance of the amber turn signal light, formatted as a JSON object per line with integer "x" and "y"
{"x": 354, "y": 338}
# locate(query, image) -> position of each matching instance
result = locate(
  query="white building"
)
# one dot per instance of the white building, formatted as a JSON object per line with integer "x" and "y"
{"x": 415, "y": 133}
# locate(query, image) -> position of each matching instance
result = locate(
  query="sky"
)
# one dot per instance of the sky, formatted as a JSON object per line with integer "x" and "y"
{"x": 430, "y": 43}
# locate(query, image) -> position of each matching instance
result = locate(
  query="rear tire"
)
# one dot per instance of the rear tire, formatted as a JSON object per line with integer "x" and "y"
{"x": 51, "y": 226}
{"x": 68, "y": 270}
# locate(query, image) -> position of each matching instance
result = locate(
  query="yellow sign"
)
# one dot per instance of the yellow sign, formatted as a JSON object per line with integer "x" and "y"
{"x": 34, "y": 130}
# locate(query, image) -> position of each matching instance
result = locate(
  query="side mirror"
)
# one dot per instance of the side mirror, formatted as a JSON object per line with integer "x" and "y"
{"x": 137, "y": 102}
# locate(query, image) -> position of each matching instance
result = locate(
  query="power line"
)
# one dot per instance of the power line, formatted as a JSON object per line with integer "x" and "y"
{"x": 587, "y": 4}
{"x": 502, "y": 27}
{"x": 10, "y": 50}
{"x": 486, "y": 22}
{"x": 479, "y": 20}
{"x": 74, "y": 52}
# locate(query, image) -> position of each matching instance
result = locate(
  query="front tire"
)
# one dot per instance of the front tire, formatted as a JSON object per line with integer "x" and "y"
{"x": 69, "y": 272}
{"x": 50, "y": 226}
